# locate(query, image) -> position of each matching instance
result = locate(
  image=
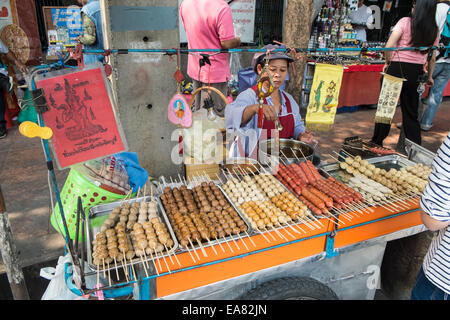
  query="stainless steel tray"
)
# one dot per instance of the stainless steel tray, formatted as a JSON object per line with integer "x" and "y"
{"x": 306, "y": 221}
{"x": 193, "y": 184}
{"x": 418, "y": 153}
{"x": 98, "y": 214}
{"x": 386, "y": 162}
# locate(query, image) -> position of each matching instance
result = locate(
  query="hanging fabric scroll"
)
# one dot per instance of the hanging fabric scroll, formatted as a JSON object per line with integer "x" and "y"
{"x": 388, "y": 100}
{"x": 324, "y": 96}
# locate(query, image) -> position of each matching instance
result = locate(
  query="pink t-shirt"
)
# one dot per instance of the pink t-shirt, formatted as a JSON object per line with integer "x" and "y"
{"x": 207, "y": 22}
{"x": 404, "y": 27}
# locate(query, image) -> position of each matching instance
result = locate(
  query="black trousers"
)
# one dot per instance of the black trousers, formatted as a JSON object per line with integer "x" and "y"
{"x": 409, "y": 103}
{"x": 4, "y": 84}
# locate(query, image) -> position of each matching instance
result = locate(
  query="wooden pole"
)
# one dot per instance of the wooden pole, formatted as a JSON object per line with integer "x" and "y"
{"x": 9, "y": 255}
{"x": 298, "y": 18}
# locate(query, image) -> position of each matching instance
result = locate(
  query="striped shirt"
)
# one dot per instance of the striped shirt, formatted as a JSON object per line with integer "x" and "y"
{"x": 435, "y": 202}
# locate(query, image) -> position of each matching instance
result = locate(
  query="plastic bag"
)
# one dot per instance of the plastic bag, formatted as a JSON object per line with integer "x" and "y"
{"x": 200, "y": 140}
{"x": 109, "y": 173}
{"x": 235, "y": 66}
{"x": 57, "y": 288}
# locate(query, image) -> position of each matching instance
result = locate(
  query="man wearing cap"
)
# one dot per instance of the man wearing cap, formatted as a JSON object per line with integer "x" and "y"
{"x": 209, "y": 25}
{"x": 241, "y": 116}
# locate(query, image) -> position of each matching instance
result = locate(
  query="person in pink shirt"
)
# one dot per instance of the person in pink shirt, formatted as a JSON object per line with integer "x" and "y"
{"x": 419, "y": 30}
{"x": 209, "y": 25}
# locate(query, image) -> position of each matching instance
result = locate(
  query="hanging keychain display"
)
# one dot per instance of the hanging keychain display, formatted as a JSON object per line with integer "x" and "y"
{"x": 264, "y": 76}
{"x": 179, "y": 112}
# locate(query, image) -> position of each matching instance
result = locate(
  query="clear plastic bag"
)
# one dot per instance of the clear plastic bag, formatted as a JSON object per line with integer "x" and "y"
{"x": 57, "y": 288}
{"x": 109, "y": 173}
{"x": 235, "y": 66}
{"x": 200, "y": 140}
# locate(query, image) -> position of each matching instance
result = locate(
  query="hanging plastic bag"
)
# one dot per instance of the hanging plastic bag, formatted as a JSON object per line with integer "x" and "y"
{"x": 57, "y": 288}
{"x": 235, "y": 66}
{"x": 200, "y": 140}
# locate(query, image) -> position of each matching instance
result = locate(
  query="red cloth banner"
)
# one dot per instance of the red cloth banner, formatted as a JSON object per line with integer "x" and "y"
{"x": 81, "y": 117}
{"x": 361, "y": 85}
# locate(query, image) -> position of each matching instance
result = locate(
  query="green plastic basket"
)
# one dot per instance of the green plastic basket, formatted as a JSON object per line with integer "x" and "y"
{"x": 77, "y": 185}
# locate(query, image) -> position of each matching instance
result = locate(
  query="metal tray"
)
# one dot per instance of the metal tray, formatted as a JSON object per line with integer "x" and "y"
{"x": 191, "y": 185}
{"x": 418, "y": 153}
{"x": 330, "y": 216}
{"x": 98, "y": 214}
{"x": 385, "y": 162}
{"x": 309, "y": 211}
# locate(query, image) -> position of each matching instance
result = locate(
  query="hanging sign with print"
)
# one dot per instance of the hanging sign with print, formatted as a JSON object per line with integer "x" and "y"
{"x": 388, "y": 100}
{"x": 324, "y": 96}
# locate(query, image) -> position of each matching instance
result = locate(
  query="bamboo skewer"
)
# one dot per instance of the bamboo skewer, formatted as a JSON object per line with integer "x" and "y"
{"x": 143, "y": 264}
{"x": 235, "y": 243}
{"x": 170, "y": 256}
{"x": 229, "y": 246}
{"x": 282, "y": 237}
{"x": 212, "y": 246}
{"x": 202, "y": 248}
{"x": 245, "y": 245}
{"x": 124, "y": 262}
{"x": 303, "y": 221}
{"x": 259, "y": 231}
{"x": 117, "y": 272}
{"x": 250, "y": 238}
{"x": 109, "y": 276}
{"x": 98, "y": 275}
{"x": 165, "y": 262}
{"x": 293, "y": 229}
{"x": 153, "y": 260}
{"x": 285, "y": 229}
{"x": 220, "y": 244}
{"x": 193, "y": 249}
{"x": 270, "y": 234}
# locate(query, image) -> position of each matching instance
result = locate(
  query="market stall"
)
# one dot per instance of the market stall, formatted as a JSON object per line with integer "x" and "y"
{"x": 226, "y": 235}
{"x": 181, "y": 238}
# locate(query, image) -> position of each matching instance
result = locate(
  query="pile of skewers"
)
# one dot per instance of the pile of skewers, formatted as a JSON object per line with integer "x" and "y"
{"x": 375, "y": 193}
{"x": 402, "y": 181}
{"x": 132, "y": 231}
{"x": 201, "y": 214}
{"x": 321, "y": 195}
{"x": 393, "y": 190}
{"x": 266, "y": 204}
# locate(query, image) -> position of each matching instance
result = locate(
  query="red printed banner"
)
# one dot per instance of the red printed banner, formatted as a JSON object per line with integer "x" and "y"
{"x": 81, "y": 117}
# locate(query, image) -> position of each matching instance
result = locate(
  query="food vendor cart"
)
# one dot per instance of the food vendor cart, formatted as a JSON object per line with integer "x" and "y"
{"x": 337, "y": 256}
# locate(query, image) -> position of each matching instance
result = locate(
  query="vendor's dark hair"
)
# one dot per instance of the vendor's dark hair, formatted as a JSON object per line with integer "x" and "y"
{"x": 424, "y": 29}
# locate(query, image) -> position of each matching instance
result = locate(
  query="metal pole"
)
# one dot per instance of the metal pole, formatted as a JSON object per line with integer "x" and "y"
{"x": 9, "y": 256}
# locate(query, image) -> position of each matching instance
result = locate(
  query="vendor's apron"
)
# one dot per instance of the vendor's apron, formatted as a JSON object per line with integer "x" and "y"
{"x": 287, "y": 121}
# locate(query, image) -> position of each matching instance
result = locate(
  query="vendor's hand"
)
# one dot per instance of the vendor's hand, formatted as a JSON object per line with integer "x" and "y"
{"x": 269, "y": 112}
{"x": 386, "y": 66}
{"x": 430, "y": 82}
{"x": 307, "y": 137}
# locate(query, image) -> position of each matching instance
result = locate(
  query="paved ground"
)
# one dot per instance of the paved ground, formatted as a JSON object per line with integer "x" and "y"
{"x": 23, "y": 179}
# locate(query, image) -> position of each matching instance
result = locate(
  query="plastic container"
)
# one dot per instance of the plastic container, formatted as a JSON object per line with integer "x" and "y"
{"x": 91, "y": 195}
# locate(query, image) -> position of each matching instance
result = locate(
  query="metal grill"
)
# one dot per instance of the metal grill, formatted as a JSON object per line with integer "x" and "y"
{"x": 268, "y": 20}
{"x": 40, "y": 16}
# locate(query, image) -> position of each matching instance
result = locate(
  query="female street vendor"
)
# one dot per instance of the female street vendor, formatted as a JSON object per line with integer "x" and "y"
{"x": 241, "y": 116}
